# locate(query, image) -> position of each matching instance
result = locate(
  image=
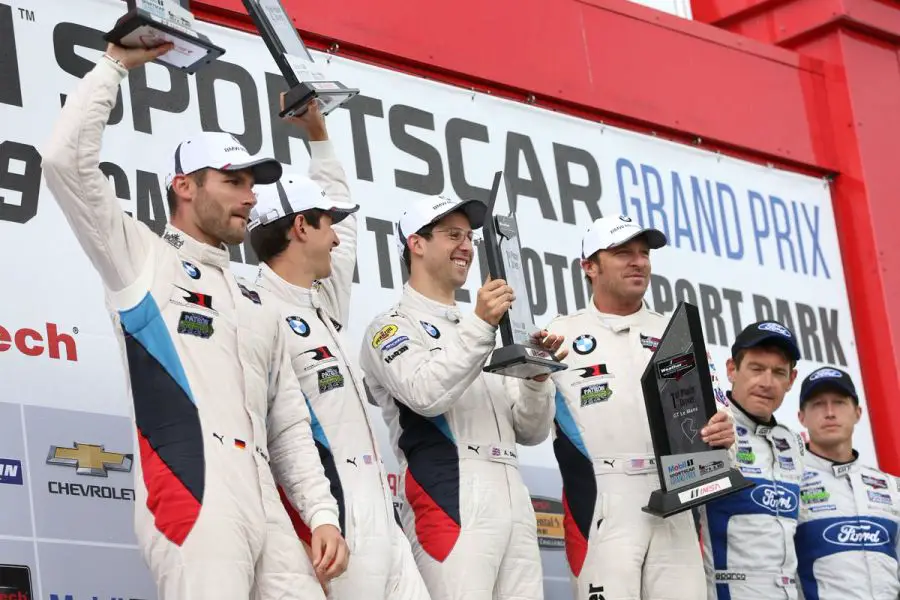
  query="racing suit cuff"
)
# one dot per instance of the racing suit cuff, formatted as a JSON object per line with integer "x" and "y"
{"x": 324, "y": 517}
{"x": 537, "y": 386}
{"x": 109, "y": 65}
{"x": 322, "y": 150}
{"x": 482, "y": 327}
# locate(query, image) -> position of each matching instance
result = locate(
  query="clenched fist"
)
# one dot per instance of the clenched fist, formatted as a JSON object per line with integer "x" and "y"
{"x": 494, "y": 299}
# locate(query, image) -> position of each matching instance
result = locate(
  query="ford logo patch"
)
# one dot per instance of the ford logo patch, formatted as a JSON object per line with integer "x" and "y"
{"x": 856, "y": 533}
{"x": 774, "y": 499}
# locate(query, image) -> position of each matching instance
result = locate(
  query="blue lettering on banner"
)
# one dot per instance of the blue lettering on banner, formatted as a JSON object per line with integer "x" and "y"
{"x": 704, "y": 216}
{"x": 11, "y": 471}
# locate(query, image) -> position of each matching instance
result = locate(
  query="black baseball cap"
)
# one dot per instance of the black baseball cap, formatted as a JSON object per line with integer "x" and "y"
{"x": 764, "y": 333}
{"x": 827, "y": 378}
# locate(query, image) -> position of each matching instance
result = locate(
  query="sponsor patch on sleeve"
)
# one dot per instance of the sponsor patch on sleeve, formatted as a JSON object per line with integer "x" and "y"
{"x": 393, "y": 355}
{"x": 394, "y": 343}
{"x": 384, "y": 334}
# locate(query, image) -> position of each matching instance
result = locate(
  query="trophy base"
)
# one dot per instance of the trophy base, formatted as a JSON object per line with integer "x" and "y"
{"x": 329, "y": 94}
{"x": 665, "y": 504}
{"x": 140, "y": 29}
{"x": 523, "y": 362}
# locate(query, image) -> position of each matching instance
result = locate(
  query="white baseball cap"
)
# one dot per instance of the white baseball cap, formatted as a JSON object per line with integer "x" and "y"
{"x": 431, "y": 209}
{"x": 615, "y": 230}
{"x": 223, "y": 152}
{"x": 291, "y": 194}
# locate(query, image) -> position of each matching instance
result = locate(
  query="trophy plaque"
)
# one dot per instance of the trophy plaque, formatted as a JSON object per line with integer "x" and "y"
{"x": 305, "y": 82}
{"x": 680, "y": 400}
{"x": 519, "y": 356}
{"x": 151, "y": 23}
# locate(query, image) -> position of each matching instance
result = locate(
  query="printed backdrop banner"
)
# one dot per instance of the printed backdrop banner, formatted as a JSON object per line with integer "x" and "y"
{"x": 747, "y": 242}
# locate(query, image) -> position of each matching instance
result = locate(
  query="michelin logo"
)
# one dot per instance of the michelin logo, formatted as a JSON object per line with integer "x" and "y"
{"x": 10, "y": 471}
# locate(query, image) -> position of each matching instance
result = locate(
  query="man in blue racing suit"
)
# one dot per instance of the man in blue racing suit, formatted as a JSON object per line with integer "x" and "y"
{"x": 847, "y": 531}
{"x": 748, "y": 548}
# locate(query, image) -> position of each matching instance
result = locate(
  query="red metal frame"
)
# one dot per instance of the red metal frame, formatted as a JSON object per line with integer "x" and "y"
{"x": 824, "y": 102}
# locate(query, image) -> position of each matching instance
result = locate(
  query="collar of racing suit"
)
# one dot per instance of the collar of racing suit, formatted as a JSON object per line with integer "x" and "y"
{"x": 823, "y": 463}
{"x": 744, "y": 418}
{"x": 416, "y": 301}
{"x": 196, "y": 250}
{"x": 617, "y": 323}
{"x": 300, "y": 296}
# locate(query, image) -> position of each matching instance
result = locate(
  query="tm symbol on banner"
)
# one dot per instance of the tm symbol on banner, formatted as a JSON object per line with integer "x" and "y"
{"x": 26, "y": 15}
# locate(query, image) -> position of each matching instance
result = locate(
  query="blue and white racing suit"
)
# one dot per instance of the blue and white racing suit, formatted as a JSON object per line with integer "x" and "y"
{"x": 847, "y": 532}
{"x": 748, "y": 537}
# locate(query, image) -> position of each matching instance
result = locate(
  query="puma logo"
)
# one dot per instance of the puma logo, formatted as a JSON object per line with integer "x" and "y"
{"x": 599, "y": 521}
{"x": 220, "y": 438}
{"x": 611, "y": 463}
{"x": 474, "y": 448}
{"x": 352, "y": 461}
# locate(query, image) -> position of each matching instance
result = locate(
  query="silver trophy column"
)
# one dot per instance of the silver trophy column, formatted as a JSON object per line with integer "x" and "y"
{"x": 296, "y": 64}
{"x": 152, "y": 23}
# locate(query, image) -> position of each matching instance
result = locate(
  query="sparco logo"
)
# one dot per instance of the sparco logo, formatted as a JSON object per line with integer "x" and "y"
{"x": 856, "y": 533}
{"x": 731, "y": 577}
{"x": 774, "y": 500}
{"x": 32, "y": 342}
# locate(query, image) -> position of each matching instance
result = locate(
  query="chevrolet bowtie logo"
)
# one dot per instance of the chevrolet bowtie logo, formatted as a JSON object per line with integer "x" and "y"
{"x": 89, "y": 459}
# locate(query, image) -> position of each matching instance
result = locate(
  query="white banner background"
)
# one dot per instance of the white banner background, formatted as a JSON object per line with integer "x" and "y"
{"x": 47, "y": 279}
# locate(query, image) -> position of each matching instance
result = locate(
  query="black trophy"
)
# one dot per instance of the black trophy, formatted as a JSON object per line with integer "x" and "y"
{"x": 519, "y": 356}
{"x": 151, "y": 23}
{"x": 295, "y": 62}
{"x": 679, "y": 397}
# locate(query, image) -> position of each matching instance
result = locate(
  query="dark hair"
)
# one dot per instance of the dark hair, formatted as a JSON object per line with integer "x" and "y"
{"x": 199, "y": 178}
{"x": 426, "y": 232}
{"x": 270, "y": 240}
{"x": 594, "y": 258}
{"x": 768, "y": 348}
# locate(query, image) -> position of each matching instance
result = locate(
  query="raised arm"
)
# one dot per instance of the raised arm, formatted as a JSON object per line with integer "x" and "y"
{"x": 118, "y": 246}
{"x": 326, "y": 170}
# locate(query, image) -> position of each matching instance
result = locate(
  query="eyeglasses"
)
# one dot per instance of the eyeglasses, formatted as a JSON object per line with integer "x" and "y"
{"x": 456, "y": 234}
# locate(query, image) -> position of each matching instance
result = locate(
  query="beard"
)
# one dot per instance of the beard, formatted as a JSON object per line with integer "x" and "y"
{"x": 215, "y": 222}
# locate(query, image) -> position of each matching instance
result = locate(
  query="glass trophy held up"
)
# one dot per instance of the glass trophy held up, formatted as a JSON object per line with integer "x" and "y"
{"x": 680, "y": 400}
{"x": 305, "y": 81}
{"x": 519, "y": 356}
{"x": 152, "y": 23}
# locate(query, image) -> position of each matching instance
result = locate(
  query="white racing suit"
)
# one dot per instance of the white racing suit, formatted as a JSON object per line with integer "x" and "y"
{"x": 454, "y": 430}
{"x": 602, "y": 443}
{"x": 381, "y": 563}
{"x": 215, "y": 399}
{"x": 847, "y": 539}
{"x": 748, "y": 548}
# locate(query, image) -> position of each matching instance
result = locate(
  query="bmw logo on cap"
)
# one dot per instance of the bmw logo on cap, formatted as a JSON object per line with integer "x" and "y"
{"x": 298, "y": 326}
{"x": 584, "y": 344}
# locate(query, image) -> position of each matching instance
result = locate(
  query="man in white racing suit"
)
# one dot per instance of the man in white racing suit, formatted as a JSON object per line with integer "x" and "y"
{"x": 748, "y": 548}
{"x": 216, "y": 405}
{"x": 305, "y": 236}
{"x": 847, "y": 538}
{"x": 454, "y": 429}
{"x": 615, "y": 550}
